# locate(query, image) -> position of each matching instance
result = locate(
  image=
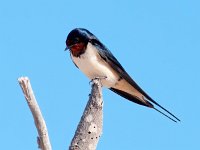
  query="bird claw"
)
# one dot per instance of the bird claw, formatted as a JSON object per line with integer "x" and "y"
{"x": 97, "y": 78}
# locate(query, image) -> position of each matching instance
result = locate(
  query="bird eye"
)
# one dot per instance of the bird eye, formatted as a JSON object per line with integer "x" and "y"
{"x": 76, "y": 40}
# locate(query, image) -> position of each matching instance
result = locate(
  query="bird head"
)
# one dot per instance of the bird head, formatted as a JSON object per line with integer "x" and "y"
{"x": 77, "y": 41}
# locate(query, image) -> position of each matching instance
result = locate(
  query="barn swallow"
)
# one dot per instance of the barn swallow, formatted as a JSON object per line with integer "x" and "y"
{"x": 96, "y": 61}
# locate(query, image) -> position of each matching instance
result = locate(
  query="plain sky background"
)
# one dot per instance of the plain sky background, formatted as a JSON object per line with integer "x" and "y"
{"x": 157, "y": 42}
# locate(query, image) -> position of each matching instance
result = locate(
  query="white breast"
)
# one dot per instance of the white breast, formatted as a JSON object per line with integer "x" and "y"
{"x": 92, "y": 66}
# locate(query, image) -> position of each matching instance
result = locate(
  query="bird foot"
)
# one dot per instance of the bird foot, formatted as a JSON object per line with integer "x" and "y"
{"x": 97, "y": 78}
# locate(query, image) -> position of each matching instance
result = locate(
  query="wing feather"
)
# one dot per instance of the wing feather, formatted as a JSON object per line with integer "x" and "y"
{"x": 113, "y": 62}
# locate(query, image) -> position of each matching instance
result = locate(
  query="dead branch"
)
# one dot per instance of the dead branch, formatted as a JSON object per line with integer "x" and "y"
{"x": 90, "y": 126}
{"x": 43, "y": 138}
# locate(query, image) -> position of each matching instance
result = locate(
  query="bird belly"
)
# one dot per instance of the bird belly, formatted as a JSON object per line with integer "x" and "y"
{"x": 93, "y": 66}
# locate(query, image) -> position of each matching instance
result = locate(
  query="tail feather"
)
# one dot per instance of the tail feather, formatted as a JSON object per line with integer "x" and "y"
{"x": 165, "y": 115}
{"x": 163, "y": 109}
{"x": 132, "y": 98}
{"x": 145, "y": 102}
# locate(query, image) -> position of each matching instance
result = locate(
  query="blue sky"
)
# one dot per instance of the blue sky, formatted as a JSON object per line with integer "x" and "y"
{"x": 157, "y": 42}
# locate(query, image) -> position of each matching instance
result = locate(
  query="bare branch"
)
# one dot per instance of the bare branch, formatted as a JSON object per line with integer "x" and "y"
{"x": 90, "y": 126}
{"x": 43, "y": 138}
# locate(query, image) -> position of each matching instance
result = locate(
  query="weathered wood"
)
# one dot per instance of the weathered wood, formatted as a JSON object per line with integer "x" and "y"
{"x": 90, "y": 126}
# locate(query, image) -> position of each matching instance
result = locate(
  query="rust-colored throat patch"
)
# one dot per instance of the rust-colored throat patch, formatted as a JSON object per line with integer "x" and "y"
{"x": 78, "y": 49}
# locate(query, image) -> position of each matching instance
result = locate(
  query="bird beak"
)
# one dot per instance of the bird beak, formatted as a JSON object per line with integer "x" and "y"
{"x": 66, "y": 49}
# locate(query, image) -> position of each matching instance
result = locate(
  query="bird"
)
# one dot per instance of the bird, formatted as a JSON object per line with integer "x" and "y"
{"x": 95, "y": 60}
